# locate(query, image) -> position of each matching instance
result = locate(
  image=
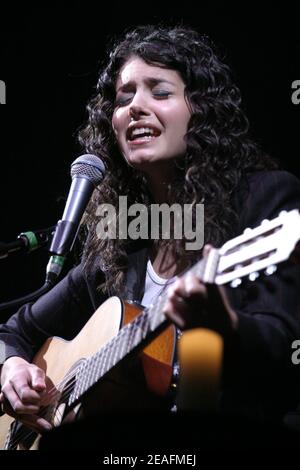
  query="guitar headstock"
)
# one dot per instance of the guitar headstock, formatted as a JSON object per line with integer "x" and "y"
{"x": 261, "y": 248}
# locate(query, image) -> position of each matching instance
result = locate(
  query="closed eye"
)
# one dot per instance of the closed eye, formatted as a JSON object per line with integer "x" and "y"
{"x": 123, "y": 100}
{"x": 162, "y": 94}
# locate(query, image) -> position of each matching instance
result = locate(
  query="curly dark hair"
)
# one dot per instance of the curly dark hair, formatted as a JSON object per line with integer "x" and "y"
{"x": 219, "y": 149}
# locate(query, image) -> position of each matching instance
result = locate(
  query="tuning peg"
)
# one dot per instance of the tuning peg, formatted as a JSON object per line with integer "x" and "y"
{"x": 247, "y": 230}
{"x": 253, "y": 276}
{"x": 282, "y": 213}
{"x": 270, "y": 270}
{"x": 265, "y": 221}
{"x": 236, "y": 282}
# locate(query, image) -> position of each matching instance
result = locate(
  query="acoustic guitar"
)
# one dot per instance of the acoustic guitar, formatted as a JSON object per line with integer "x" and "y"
{"x": 83, "y": 373}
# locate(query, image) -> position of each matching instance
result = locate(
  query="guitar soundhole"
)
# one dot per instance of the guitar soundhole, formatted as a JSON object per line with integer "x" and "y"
{"x": 60, "y": 407}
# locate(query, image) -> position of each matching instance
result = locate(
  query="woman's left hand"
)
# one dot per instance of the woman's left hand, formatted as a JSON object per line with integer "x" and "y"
{"x": 192, "y": 304}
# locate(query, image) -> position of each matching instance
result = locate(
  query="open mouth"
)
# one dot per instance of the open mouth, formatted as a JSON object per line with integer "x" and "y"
{"x": 142, "y": 133}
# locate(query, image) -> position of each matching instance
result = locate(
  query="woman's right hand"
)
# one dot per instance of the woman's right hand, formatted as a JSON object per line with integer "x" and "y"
{"x": 23, "y": 387}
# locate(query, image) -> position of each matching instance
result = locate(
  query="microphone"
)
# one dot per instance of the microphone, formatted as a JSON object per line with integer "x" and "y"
{"x": 27, "y": 242}
{"x": 87, "y": 171}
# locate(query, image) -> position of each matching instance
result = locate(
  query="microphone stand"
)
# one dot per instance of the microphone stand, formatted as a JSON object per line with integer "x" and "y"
{"x": 27, "y": 242}
{"x": 54, "y": 266}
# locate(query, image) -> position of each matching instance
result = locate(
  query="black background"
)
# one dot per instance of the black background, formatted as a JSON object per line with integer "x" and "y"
{"x": 50, "y": 54}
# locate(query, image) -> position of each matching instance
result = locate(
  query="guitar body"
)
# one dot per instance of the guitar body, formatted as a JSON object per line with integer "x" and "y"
{"x": 135, "y": 384}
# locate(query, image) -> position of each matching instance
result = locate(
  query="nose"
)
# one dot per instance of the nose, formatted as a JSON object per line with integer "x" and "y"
{"x": 135, "y": 112}
{"x": 138, "y": 108}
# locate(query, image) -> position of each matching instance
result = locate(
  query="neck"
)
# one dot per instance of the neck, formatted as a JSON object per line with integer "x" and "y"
{"x": 158, "y": 182}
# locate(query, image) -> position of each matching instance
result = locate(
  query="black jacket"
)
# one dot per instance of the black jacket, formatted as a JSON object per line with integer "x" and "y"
{"x": 259, "y": 377}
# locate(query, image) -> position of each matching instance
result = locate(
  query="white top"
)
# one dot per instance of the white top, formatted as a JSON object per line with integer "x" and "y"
{"x": 154, "y": 285}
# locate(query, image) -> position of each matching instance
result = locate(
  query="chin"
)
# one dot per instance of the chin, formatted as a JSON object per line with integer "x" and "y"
{"x": 140, "y": 160}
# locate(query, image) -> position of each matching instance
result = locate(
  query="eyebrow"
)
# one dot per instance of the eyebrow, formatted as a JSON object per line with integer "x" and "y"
{"x": 149, "y": 80}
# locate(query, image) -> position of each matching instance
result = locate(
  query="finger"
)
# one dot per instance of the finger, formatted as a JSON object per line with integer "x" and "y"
{"x": 176, "y": 287}
{"x": 25, "y": 393}
{"x": 35, "y": 422}
{"x": 50, "y": 396}
{"x": 194, "y": 287}
{"x": 12, "y": 404}
{"x": 186, "y": 286}
{"x": 38, "y": 379}
{"x": 173, "y": 312}
{"x": 190, "y": 289}
{"x": 206, "y": 249}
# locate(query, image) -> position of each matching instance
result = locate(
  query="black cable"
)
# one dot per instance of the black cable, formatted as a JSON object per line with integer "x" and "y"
{"x": 54, "y": 269}
{"x": 27, "y": 298}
